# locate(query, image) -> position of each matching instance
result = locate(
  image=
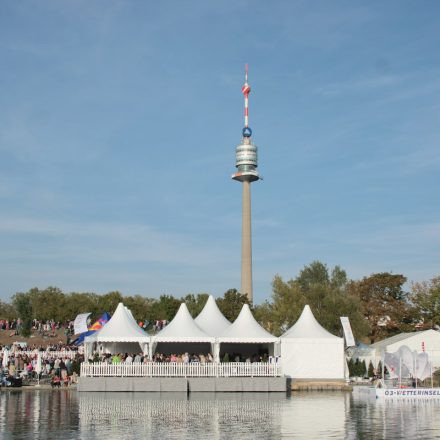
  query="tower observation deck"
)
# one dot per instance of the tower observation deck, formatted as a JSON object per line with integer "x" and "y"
{"x": 246, "y": 162}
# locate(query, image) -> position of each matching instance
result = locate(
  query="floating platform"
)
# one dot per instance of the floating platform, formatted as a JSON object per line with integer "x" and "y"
{"x": 318, "y": 385}
{"x": 181, "y": 384}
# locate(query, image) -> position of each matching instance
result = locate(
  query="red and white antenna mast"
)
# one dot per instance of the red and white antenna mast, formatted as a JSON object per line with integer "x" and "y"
{"x": 246, "y": 89}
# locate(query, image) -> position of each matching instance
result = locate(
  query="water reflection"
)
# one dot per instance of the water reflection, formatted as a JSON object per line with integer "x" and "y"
{"x": 178, "y": 416}
{"x": 381, "y": 419}
{"x": 67, "y": 415}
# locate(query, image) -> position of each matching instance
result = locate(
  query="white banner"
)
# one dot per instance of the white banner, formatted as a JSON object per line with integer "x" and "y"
{"x": 349, "y": 339}
{"x": 80, "y": 323}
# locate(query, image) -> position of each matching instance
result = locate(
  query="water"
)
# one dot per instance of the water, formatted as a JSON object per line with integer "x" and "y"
{"x": 64, "y": 414}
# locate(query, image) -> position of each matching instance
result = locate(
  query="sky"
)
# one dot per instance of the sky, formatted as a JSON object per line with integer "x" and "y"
{"x": 119, "y": 122}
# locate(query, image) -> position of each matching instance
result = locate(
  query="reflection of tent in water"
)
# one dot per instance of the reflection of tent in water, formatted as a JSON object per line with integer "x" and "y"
{"x": 97, "y": 325}
{"x": 160, "y": 411}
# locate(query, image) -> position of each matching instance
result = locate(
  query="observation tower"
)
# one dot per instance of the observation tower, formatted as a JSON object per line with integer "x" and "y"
{"x": 246, "y": 162}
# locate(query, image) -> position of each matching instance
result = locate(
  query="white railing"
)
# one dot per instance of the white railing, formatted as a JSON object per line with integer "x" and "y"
{"x": 64, "y": 354}
{"x": 173, "y": 369}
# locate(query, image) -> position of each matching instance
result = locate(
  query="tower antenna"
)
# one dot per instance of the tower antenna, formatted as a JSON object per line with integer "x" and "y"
{"x": 246, "y": 89}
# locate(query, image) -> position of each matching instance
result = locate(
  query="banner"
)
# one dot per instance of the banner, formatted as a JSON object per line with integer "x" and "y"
{"x": 80, "y": 323}
{"x": 349, "y": 339}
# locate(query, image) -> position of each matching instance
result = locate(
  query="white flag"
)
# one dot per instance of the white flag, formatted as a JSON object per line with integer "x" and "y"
{"x": 349, "y": 339}
{"x": 80, "y": 323}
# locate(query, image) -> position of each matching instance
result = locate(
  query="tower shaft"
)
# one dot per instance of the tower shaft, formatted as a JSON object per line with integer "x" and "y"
{"x": 246, "y": 162}
{"x": 246, "y": 242}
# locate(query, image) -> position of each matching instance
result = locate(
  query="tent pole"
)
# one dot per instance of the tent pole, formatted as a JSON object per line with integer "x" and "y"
{"x": 432, "y": 380}
{"x": 383, "y": 366}
{"x": 400, "y": 372}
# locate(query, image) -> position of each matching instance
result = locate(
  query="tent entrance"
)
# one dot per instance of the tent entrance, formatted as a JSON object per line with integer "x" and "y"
{"x": 132, "y": 348}
{"x": 183, "y": 347}
{"x": 244, "y": 351}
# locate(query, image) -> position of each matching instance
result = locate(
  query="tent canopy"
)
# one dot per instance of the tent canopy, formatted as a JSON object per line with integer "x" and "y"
{"x": 307, "y": 327}
{"x": 211, "y": 320}
{"x": 122, "y": 327}
{"x": 246, "y": 329}
{"x": 182, "y": 329}
{"x": 309, "y": 351}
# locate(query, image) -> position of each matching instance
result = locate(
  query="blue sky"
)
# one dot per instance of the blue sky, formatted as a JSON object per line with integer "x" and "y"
{"x": 119, "y": 122}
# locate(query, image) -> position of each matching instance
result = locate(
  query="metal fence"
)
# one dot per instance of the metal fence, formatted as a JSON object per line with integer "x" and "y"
{"x": 173, "y": 369}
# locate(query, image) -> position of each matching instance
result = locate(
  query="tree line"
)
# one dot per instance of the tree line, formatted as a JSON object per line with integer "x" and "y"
{"x": 378, "y": 305}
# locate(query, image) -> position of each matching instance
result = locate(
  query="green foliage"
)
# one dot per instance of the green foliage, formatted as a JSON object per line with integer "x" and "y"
{"x": 165, "y": 308}
{"x": 23, "y": 305}
{"x": 109, "y": 301}
{"x": 195, "y": 303}
{"x": 377, "y": 306}
{"x": 357, "y": 368}
{"x": 231, "y": 303}
{"x": 426, "y": 298}
{"x": 263, "y": 313}
{"x": 370, "y": 369}
{"x": 7, "y": 311}
{"x": 326, "y": 295}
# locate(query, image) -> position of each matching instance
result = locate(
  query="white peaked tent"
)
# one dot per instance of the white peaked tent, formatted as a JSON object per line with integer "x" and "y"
{"x": 246, "y": 330}
{"x": 211, "y": 320}
{"x": 121, "y": 334}
{"x": 309, "y": 351}
{"x": 181, "y": 334}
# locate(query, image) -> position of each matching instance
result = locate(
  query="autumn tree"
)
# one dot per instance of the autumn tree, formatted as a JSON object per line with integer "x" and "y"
{"x": 384, "y": 304}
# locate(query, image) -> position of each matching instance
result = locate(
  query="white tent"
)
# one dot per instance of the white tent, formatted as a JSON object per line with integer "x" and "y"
{"x": 211, "y": 320}
{"x": 422, "y": 341}
{"x": 308, "y": 351}
{"x": 246, "y": 330}
{"x": 120, "y": 334}
{"x": 180, "y": 332}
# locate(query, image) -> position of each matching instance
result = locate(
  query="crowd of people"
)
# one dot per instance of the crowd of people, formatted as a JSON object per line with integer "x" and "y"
{"x": 34, "y": 364}
{"x": 43, "y": 328}
{"x": 140, "y": 358}
{"x": 185, "y": 358}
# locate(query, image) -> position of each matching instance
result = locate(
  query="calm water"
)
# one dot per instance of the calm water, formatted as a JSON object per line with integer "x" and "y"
{"x": 70, "y": 415}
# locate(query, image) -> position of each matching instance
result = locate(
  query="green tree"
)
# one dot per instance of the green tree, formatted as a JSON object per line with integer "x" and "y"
{"x": 195, "y": 303}
{"x": 288, "y": 302}
{"x": 23, "y": 305}
{"x": 426, "y": 298}
{"x": 326, "y": 294}
{"x": 370, "y": 369}
{"x": 263, "y": 313}
{"x": 363, "y": 369}
{"x": 350, "y": 364}
{"x": 7, "y": 311}
{"x": 384, "y": 304}
{"x": 165, "y": 308}
{"x": 231, "y": 303}
{"x": 76, "y": 303}
{"x": 109, "y": 301}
